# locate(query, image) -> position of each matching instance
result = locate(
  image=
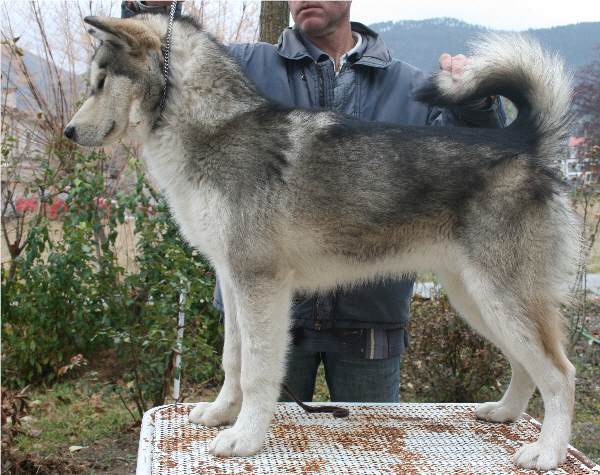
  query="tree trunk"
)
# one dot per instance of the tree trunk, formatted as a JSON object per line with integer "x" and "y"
{"x": 274, "y": 18}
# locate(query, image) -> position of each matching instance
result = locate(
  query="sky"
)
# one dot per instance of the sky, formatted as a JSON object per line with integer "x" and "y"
{"x": 515, "y": 15}
{"x": 497, "y": 14}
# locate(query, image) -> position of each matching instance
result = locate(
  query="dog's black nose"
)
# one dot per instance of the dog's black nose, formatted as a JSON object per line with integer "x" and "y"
{"x": 69, "y": 132}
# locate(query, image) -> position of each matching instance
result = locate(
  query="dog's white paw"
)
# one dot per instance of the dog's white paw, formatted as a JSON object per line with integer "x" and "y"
{"x": 213, "y": 414}
{"x": 497, "y": 412}
{"x": 537, "y": 456}
{"x": 232, "y": 443}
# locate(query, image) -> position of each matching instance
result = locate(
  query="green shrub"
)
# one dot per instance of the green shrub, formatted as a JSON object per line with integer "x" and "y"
{"x": 149, "y": 303}
{"x": 51, "y": 307}
{"x": 65, "y": 295}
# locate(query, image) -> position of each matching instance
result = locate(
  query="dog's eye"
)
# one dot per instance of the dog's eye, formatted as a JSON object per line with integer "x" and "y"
{"x": 100, "y": 84}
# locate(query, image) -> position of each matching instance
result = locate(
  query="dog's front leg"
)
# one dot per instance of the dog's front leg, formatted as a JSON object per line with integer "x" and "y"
{"x": 227, "y": 406}
{"x": 263, "y": 316}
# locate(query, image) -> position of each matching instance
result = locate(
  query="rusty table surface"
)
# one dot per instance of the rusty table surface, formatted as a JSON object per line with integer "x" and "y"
{"x": 428, "y": 439}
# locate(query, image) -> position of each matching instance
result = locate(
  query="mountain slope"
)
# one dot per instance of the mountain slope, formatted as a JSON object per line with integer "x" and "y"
{"x": 421, "y": 43}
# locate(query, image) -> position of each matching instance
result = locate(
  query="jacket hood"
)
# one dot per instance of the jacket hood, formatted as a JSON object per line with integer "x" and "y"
{"x": 375, "y": 52}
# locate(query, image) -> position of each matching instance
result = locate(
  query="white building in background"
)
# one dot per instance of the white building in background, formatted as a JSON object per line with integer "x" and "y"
{"x": 575, "y": 167}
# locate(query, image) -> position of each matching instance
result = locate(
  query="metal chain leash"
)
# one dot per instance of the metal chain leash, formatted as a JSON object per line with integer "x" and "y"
{"x": 167, "y": 52}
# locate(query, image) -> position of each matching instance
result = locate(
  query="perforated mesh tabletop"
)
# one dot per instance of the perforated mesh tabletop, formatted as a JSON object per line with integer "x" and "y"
{"x": 410, "y": 439}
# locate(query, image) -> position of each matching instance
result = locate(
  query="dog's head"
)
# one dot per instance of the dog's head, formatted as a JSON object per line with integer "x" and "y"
{"x": 126, "y": 82}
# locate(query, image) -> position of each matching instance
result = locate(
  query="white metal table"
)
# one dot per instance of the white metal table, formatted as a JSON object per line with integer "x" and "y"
{"x": 408, "y": 439}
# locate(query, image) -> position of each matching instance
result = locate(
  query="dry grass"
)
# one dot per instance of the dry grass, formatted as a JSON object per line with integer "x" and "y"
{"x": 593, "y": 264}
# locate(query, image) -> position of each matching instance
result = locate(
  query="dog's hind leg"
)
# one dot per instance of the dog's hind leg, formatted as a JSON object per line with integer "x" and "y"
{"x": 529, "y": 334}
{"x": 544, "y": 358}
{"x": 521, "y": 387}
{"x": 525, "y": 324}
{"x": 227, "y": 406}
{"x": 263, "y": 317}
{"x": 515, "y": 400}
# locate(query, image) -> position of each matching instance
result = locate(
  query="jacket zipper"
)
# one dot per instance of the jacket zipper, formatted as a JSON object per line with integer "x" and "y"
{"x": 321, "y": 93}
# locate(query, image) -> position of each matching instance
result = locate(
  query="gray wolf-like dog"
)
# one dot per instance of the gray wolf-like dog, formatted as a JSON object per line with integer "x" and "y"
{"x": 283, "y": 200}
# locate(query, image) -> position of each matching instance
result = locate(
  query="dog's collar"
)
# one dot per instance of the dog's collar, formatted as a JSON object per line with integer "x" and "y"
{"x": 167, "y": 51}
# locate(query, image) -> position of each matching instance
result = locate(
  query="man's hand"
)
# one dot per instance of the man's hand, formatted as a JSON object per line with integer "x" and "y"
{"x": 453, "y": 64}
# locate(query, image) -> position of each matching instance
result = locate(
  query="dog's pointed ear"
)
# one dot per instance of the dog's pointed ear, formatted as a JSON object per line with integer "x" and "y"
{"x": 131, "y": 35}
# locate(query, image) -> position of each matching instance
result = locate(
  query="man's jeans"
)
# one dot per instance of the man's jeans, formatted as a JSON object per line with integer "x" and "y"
{"x": 349, "y": 378}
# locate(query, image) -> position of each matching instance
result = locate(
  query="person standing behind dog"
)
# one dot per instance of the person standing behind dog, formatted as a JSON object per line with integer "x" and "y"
{"x": 325, "y": 61}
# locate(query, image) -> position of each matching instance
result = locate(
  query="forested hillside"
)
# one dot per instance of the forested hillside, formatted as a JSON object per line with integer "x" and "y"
{"x": 421, "y": 43}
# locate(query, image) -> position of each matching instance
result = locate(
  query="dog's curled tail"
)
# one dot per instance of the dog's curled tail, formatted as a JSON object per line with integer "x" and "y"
{"x": 516, "y": 67}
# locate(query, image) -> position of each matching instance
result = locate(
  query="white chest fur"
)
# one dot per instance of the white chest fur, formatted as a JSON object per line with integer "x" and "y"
{"x": 196, "y": 206}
